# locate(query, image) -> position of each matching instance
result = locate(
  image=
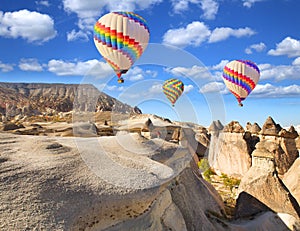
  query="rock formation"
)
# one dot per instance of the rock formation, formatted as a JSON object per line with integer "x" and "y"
{"x": 234, "y": 126}
{"x": 253, "y": 128}
{"x": 215, "y": 127}
{"x": 261, "y": 189}
{"x": 49, "y": 99}
{"x": 229, "y": 151}
{"x": 270, "y": 127}
{"x": 292, "y": 179}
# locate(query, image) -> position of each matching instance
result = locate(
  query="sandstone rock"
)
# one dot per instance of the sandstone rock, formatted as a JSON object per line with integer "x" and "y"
{"x": 261, "y": 184}
{"x": 187, "y": 139}
{"x": 46, "y": 190}
{"x": 291, "y": 133}
{"x": 234, "y": 126}
{"x": 85, "y": 129}
{"x": 283, "y": 150}
{"x": 215, "y": 126}
{"x": 229, "y": 154}
{"x": 253, "y": 128}
{"x": 292, "y": 179}
{"x": 270, "y": 128}
{"x": 10, "y": 126}
{"x": 297, "y": 141}
{"x": 50, "y": 99}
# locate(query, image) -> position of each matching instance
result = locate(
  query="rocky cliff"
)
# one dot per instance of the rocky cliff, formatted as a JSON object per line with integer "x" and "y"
{"x": 41, "y": 98}
{"x": 231, "y": 147}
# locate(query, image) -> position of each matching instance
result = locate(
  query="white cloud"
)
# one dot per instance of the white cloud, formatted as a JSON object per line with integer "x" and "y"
{"x": 5, "y": 67}
{"x": 136, "y": 73}
{"x": 259, "y": 47}
{"x": 195, "y": 72}
{"x": 220, "y": 65}
{"x": 77, "y": 35}
{"x": 222, "y": 33}
{"x": 280, "y": 72}
{"x": 213, "y": 87}
{"x": 92, "y": 67}
{"x": 42, "y": 3}
{"x": 114, "y": 88}
{"x": 188, "y": 88}
{"x": 30, "y": 65}
{"x": 288, "y": 46}
{"x": 89, "y": 10}
{"x": 29, "y": 25}
{"x": 249, "y": 3}
{"x": 209, "y": 7}
{"x": 156, "y": 88}
{"x": 193, "y": 34}
{"x": 296, "y": 61}
{"x": 270, "y": 91}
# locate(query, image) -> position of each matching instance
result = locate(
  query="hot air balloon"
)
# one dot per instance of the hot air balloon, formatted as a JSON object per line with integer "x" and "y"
{"x": 121, "y": 38}
{"x": 241, "y": 77}
{"x": 173, "y": 88}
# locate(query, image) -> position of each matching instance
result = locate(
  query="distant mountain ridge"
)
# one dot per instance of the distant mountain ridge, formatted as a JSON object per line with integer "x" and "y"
{"x": 41, "y": 98}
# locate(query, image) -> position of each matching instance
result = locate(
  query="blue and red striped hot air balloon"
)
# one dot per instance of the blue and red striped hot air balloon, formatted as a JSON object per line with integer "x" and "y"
{"x": 241, "y": 77}
{"x": 173, "y": 88}
{"x": 121, "y": 38}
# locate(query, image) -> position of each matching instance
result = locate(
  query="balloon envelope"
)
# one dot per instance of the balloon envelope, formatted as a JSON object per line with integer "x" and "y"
{"x": 121, "y": 38}
{"x": 173, "y": 89}
{"x": 241, "y": 77}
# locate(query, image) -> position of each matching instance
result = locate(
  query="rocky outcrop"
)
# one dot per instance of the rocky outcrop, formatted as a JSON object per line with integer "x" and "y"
{"x": 234, "y": 126}
{"x": 290, "y": 133}
{"x": 261, "y": 189}
{"x": 44, "y": 181}
{"x": 253, "y": 128}
{"x": 292, "y": 179}
{"x": 215, "y": 127}
{"x": 50, "y": 99}
{"x": 270, "y": 128}
{"x": 229, "y": 151}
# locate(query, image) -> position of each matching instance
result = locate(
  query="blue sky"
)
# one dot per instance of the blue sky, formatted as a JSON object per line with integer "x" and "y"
{"x": 192, "y": 40}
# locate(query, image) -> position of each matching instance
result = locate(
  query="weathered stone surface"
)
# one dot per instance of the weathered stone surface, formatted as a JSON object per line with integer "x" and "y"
{"x": 291, "y": 133}
{"x": 215, "y": 126}
{"x": 229, "y": 154}
{"x": 11, "y": 126}
{"x": 33, "y": 99}
{"x": 270, "y": 128}
{"x": 262, "y": 184}
{"x": 297, "y": 140}
{"x": 42, "y": 189}
{"x": 292, "y": 179}
{"x": 253, "y": 128}
{"x": 234, "y": 126}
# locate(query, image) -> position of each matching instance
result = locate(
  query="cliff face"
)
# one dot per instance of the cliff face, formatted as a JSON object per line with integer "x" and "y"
{"x": 230, "y": 148}
{"x": 38, "y": 98}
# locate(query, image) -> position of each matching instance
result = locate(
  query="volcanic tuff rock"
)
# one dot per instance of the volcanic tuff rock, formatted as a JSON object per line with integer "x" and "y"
{"x": 292, "y": 179}
{"x": 234, "y": 126}
{"x": 215, "y": 126}
{"x": 270, "y": 127}
{"x": 37, "y": 98}
{"x": 229, "y": 151}
{"x": 253, "y": 128}
{"x": 262, "y": 186}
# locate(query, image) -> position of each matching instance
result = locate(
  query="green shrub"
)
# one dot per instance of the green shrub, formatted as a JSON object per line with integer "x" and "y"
{"x": 230, "y": 182}
{"x": 206, "y": 169}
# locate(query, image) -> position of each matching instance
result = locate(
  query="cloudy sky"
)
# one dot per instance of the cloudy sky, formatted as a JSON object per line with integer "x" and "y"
{"x": 192, "y": 40}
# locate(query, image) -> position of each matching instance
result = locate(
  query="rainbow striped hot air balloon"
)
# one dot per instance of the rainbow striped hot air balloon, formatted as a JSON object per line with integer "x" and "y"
{"x": 241, "y": 77}
{"x": 121, "y": 38}
{"x": 173, "y": 88}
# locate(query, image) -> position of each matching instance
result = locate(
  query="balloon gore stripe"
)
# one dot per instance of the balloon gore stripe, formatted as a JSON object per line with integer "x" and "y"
{"x": 173, "y": 88}
{"x": 241, "y": 77}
